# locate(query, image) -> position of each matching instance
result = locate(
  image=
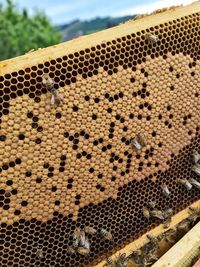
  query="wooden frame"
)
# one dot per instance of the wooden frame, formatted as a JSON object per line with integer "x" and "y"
{"x": 155, "y": 232}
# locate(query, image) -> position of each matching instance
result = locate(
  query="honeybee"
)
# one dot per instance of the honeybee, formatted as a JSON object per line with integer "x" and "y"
{"x": 168, "y": 213}
{"x": 152, "y": 239}
{"x": 166, "y": 223}
{"x": 168, "y": 216}
{"x": 169, "y": 239}
{"x": 141, "y": 260}
{"x": 150, "y": 246}
{"x": 184, "y": 225}
{"x": 196, "y": 156}
{"x": 193, "y": 210}
{"x": 186, "y": 183}
{"x": 71, "y": 250}
{"x": 137, "y": 256}
{"x": 83, "y": 251}
{"x": 195, "y": 183}
{"x": 75, "y": 243}
{"x": 146, "y": 212}
{"x": 152, "y": 204}
{"x": 90, "y": 230}
{"x": 152, "y": 256}
{"x": 157, "y": 214}
{"x": 82, "y": 237}
{"x": 152, "y": 39}
{"x": 106, "y": 234}
{"x": 76, "y": 237}
{"x": 196, "y": 169}
{"x": 109, "y": 263}
{"x": 87, "y": 244}
{"x": 39, "y": 254}
{"x": 47, "y": 82}
{"x": 138, "y": 142}
{"x": 56, "y": 99}
{"x": 195, "y": 214}
{"x": 161, "y": 236}
{"x": 84, "y": 242}
{"x": 165, "y": 190}
{"x": 121, "y": 260}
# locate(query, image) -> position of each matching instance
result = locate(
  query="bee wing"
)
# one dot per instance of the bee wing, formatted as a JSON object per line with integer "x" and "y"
{"x": 196, "y": 169}
{"x": 87, "y": 244}
{"x": 52, "y": 100}
{"x": 83, "y": 251}
{"x": 165, "y": 189}
{"x": 110, "y": 237}
{"x": 196, "y": 156}
{"x": 188, "y": 184}
{"x": 151, "y": 204}
{"x": 145, "y": 212}
{"x": 158, "y": 214}
{"x": 90, "y": 230}
{"x": 136, "y": 144}
{"x": 82, "y": 239}
{"x": 195, "y": 183}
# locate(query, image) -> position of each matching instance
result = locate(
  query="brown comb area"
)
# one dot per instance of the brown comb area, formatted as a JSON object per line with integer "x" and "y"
{"x": 73, "y": 165}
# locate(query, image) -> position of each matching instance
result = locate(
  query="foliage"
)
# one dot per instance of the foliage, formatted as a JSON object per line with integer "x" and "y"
{"x": 19, "y": 32}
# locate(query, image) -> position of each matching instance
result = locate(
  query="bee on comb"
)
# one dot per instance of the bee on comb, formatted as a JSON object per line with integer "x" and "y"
{"x": 185, "y": 183}
{"x": 151, "y": 204}
{"x": 48, "y": 83}
{"x": 106, "y": 234}
{"x": 56, "y": 99}
{"x": 152, "y": 39}
{"x": 83, "y": 251}
{"x": 157, "y": 214}
{"x": 39, "y": 254}
{"x": 90, "y": 230}
{"x": 165, "y": 190}
{"x": 196, "y": 156}
{"x": 196, "y": 169}
{"x": 195, "y": 183}
{"x": 138, "y": 142}
{"x": 146, "y": 212}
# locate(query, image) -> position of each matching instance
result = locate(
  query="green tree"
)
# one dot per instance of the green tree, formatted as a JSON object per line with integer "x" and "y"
{"x": 19, "y": 32}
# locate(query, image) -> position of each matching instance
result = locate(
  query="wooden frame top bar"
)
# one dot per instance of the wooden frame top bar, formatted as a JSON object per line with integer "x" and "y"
{"x": 81, "y": 43}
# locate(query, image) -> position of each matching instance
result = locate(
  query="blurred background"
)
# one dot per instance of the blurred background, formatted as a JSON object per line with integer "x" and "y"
{"x": 33, "y": 24}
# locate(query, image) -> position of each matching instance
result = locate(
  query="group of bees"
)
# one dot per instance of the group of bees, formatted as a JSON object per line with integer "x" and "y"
{"x": 81, "y": 244}
{"x": 195, "y": 168}
{"x": 143, "y": 257}
{"x": 152, "y": 211}
{"x": 148, "y": 253}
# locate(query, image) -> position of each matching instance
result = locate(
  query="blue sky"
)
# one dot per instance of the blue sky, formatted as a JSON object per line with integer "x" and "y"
{"x": 64, "y": 11}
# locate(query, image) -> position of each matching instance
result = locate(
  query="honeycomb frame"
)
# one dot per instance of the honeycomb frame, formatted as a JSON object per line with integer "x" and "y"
{"x": 73, "y": 165}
